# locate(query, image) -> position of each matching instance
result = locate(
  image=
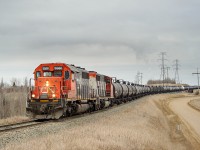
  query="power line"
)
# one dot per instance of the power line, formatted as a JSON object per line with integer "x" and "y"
{"x": 197, "y": 73}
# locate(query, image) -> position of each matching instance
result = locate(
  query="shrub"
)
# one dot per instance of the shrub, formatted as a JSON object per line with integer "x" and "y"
{"x": 196, "y": 92}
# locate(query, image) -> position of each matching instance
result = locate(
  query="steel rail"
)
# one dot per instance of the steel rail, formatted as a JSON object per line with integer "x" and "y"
{"x": 10, "y": 127}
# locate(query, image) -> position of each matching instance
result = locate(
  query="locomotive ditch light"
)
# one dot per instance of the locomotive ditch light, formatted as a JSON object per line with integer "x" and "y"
{"x": 33, "y": 95}
{"x": 53, "y": 95}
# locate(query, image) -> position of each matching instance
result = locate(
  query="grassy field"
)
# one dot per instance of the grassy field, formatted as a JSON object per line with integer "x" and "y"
{"x": 13, "y": 120}
{"x": 140, "y": 125}
{"x": 13, "y": 102}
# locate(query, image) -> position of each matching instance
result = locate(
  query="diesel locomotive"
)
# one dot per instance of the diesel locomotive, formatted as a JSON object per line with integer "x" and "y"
{"x": 63, "y": 90}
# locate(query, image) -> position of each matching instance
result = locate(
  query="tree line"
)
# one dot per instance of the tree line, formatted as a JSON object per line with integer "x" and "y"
{"x": 166, "y": 81}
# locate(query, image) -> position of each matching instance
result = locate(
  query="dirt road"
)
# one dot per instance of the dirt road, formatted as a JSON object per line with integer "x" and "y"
{"x": 188, "y": 115}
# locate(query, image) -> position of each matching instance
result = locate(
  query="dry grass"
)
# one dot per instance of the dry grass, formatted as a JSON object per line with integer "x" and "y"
{"x": 195, "y": 104}
{"x": 12, "y": 102}
{"x": 196, "y": 92}
{"x": 13, "y": 120}
{"x": 136, "y": 126}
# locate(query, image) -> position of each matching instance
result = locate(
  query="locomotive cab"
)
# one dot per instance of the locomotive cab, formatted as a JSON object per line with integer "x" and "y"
{"x": 51, "y": 82}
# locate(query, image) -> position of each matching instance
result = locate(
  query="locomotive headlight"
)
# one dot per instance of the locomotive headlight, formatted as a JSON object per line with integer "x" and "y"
{"x": 33, "y": 95}
{"x": 47, "y": 83}
{"x": 53, "y": 95}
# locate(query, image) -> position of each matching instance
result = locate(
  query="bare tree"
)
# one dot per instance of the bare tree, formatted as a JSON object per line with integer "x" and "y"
{"x": 15, "y": 82}
{"x": 2, "y": 83}
{"x": 25, "y": 82}
{"x": 168, "y": 80}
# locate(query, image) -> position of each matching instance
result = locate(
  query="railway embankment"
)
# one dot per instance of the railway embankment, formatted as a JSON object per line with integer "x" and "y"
{"x": 195, "y": 104}
{"x": 183, "y": 119}
{"x": 144, "y": 123}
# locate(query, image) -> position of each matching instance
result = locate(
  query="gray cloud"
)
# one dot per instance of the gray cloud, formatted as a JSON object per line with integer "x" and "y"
{"x": 111, "y": 36}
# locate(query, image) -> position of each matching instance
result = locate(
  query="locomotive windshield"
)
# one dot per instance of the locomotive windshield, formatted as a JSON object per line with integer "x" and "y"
{"x": 38, "y": 74}
{"x": 47, "y": 74}
{"x": 57, "y": 73}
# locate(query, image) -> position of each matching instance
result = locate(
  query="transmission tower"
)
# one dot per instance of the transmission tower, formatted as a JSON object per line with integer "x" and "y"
{"x": 176, "y": 68}
{"x": 167, "y": 78}
{"x": 163, "y": 73}
{"x": 139, "y": 78}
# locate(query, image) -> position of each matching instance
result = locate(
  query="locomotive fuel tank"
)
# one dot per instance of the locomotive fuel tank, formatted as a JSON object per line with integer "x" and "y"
{"x": 81, "y": 108}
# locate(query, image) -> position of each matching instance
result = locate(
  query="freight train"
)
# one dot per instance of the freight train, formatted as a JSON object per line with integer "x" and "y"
{"x": 63, "y": 90}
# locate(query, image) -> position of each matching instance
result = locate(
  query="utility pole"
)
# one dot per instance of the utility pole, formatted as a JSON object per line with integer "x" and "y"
{"x": 176, "y": 68}
{"x": 163, "y": 74}
{"x": 197, "y": 73}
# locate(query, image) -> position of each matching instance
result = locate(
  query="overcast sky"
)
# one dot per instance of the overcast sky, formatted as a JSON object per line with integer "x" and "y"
{"x": 113, "y": 37}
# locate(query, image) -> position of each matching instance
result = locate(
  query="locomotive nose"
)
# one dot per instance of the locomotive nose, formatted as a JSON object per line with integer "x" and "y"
{"x": 49, "y": 88}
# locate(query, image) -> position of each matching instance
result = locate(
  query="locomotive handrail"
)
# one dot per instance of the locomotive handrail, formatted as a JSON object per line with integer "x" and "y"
{"x": 30, "y": 88}
{"x": 64, "y": 89}
{"x": 49, "y": 90}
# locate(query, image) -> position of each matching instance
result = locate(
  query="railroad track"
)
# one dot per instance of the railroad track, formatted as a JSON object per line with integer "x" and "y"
{"x": 11, "y": 127}
{"x": 21, "y": 125}
{"x": 31, "y": 123}
{"x": 93, "y": 112}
